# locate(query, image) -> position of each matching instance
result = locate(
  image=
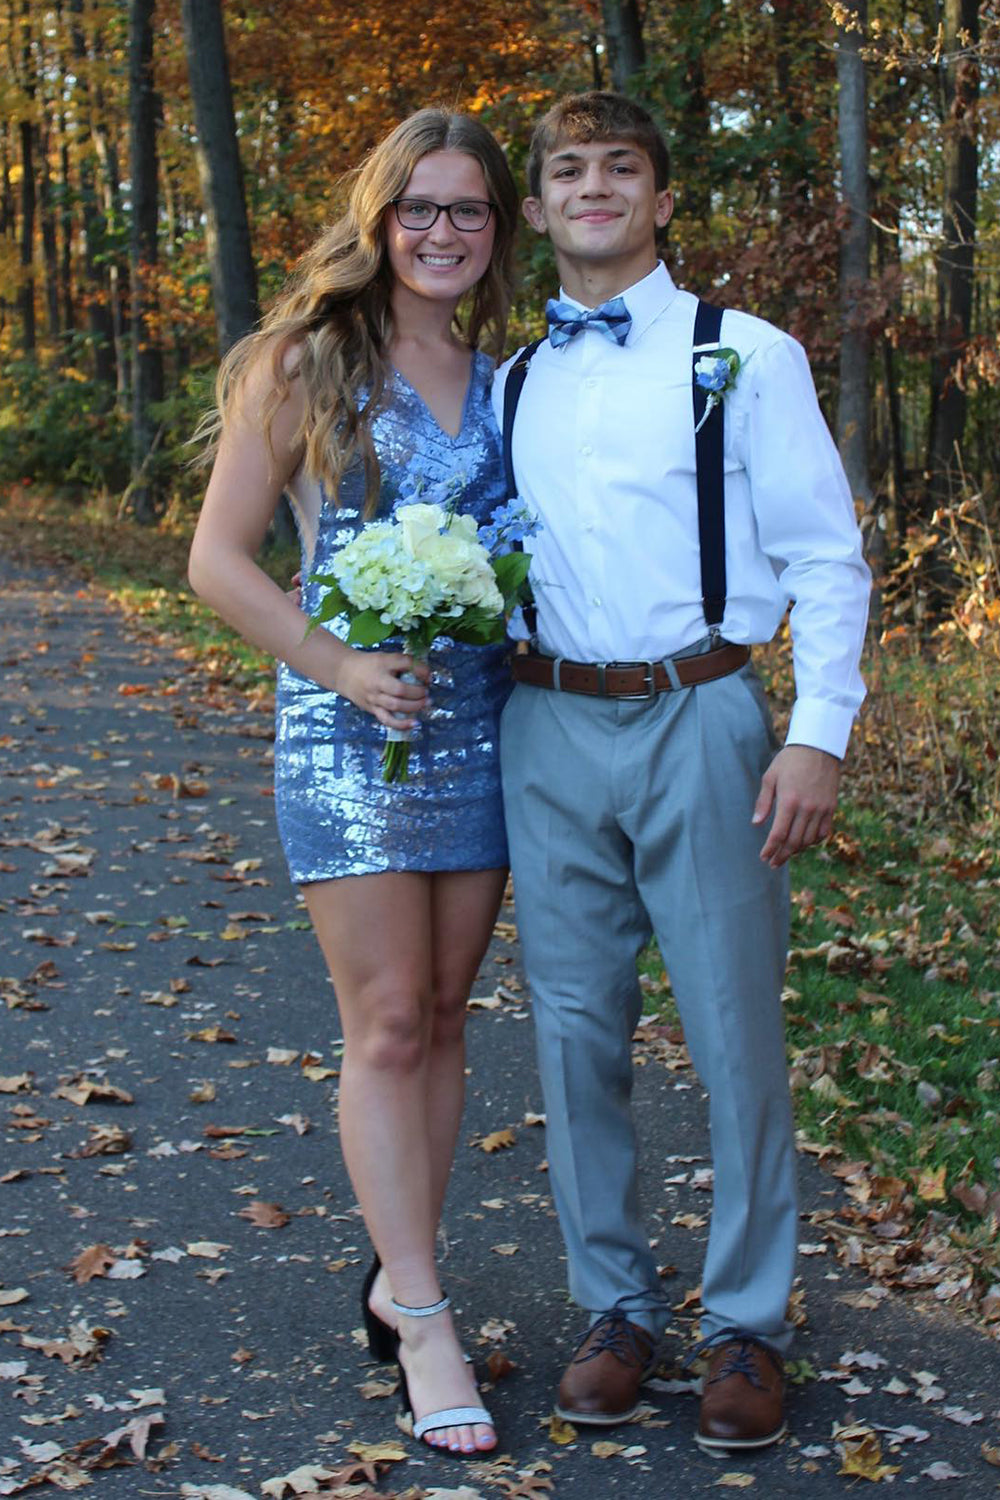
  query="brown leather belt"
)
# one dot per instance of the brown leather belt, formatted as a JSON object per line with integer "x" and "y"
{"x": 627, "y": 679}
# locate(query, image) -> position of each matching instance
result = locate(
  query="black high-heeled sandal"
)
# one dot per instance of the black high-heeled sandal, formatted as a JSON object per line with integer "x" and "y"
{"x": 452, "y": 1416}
{"x": 383, "y": 1341}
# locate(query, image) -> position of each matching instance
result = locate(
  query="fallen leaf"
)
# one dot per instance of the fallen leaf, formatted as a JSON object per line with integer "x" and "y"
{"x": 734, "y": 1481}
{"x": 930, "y": 1185}
{"x": 606, "y": 1449}
{"x": 105, "y": 1140}
{"x": 211, "y": 1034}
{"x": 94, "y": 1261}
{"x": 265, "y": 1215}
{"x": 499, "y": 1366}
{"x": 213, "y": 1492}
{"x": 942, "y": 1470}
{"x": 862, "y": 1453}
{"x": 372, "y": 1390}
{"x": 378, "y": 1453}
{"x": 497, "y": 1140}
{"x": 15, "y": 1083}
{"x": 300, "y": 1481}
{"x": 463, "y": 1493}
{"x": 864, "y": 1360}
{"x": 961, "y": 1416}
{"x": 206, "y": 1249}
{"x": 80, "y": 1090}
{"x": 561, "y": 1432}
{"x": 13, "y": 1296}
{"x": 137, "y": 1432}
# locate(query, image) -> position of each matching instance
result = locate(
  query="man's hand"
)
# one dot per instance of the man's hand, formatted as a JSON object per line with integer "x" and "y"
{"x": 801, "y": 785}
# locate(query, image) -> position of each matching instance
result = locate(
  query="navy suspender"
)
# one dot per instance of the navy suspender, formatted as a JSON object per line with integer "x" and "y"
{"x": 708, "y": 458}
{"x": 511, "y": 396}
{"x": 708, "y": 445}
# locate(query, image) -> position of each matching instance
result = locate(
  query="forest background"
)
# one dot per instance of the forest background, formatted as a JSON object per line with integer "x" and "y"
{"x": 162, "y": 166}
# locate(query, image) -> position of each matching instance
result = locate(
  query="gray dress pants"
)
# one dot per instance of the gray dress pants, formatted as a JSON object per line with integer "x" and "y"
{"x": 626, "y": 817}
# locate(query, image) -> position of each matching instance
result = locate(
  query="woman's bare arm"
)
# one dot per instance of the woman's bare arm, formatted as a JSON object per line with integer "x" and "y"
{"x": 243, "y": 493}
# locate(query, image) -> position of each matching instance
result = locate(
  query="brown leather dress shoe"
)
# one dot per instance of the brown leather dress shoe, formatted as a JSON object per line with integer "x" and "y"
{"x": 742, "y": 1396}
{"x": 602, "y": 1380}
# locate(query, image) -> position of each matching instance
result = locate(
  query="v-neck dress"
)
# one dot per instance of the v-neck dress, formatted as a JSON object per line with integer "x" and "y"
{"x": 336, "y": 815}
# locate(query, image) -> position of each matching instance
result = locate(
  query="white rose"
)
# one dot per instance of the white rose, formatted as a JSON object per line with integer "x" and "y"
{"x": 462, "y": 568}
{"x": 465, "y": 527}
{"x": 419, "y": 522}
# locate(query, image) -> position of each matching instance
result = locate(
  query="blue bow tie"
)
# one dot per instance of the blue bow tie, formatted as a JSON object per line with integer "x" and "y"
{"x": 613, "y": 319}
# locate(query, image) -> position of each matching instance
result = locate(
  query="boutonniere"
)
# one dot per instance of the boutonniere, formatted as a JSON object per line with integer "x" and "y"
{"x": 717, "y": 374}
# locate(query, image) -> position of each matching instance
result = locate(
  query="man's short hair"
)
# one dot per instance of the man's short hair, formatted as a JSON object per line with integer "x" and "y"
{"x": 597, "y": 116}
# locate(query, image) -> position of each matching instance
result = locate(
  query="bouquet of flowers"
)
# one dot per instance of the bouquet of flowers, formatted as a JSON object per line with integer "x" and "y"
{"x": 429, "y": 571}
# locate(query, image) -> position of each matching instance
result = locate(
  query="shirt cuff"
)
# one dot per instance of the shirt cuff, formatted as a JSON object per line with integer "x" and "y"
{"x": 821, "y": 724}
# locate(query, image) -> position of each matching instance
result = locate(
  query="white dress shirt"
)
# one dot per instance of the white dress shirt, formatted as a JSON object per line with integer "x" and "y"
{"x": 604, "y": 453}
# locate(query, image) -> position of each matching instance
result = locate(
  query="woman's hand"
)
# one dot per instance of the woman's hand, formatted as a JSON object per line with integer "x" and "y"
{"x": 371, "y": 679}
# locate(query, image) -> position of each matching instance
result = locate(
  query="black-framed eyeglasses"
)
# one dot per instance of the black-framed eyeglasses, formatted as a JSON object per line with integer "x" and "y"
{"x": 419, "y": 213}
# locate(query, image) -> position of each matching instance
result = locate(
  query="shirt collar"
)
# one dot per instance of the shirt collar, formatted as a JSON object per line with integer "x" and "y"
{"x": 645, "y": 300}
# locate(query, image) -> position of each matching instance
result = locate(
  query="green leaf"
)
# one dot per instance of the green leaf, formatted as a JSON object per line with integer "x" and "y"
{"x": 511, "y": 570}
{"x": 368, "y": 629}
{"x": 333, "y": 603}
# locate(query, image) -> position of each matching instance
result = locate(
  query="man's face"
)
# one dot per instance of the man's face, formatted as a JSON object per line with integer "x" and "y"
{"x": 599, "y": 203}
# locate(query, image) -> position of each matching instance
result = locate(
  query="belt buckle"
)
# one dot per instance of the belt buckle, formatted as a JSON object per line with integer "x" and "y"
{"x": 649, "y": 687}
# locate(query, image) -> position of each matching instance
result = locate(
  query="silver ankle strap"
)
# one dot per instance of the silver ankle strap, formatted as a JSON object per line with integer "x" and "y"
{"x": 422, "y": 1312}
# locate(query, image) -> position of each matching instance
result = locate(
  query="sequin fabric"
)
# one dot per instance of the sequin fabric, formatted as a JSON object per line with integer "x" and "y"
{"x": 336, "y": 816}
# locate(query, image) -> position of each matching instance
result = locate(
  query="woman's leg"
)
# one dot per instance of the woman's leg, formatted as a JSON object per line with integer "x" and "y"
{"x": 464, "y": 907}
{"x": 376, "y": 933}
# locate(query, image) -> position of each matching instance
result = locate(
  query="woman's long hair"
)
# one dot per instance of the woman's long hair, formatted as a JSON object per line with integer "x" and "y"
{"x": 331, "y": 324}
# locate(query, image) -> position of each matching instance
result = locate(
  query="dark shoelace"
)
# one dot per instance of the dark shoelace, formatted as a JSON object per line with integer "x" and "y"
{"x": 616, "y": 1335}
{"x": 738, "y": 1361}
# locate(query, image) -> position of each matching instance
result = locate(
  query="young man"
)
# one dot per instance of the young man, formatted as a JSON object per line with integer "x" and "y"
{"x": 643, "y": 785}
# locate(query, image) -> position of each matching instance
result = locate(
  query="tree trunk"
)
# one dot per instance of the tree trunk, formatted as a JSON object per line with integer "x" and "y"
{"x": 27, "y": 133}
{"x": 66, "y": 220}
{"x": 98, "y": 296}
{"x": 954, "y": 260}
{"x": 50, "y": 248}
{"x": 623, "y": 34}
{"x": 234, "y": 278}
{"x": 147, "y": 358}
{"x": 853, "y": 410}
{"x": 8, "y": 216}
{"x": 118, "y": 271}
{"x": 26, "y": 291}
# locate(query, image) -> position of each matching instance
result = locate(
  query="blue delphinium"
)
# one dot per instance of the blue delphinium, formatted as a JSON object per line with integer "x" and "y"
{"x": 510, "y": 523}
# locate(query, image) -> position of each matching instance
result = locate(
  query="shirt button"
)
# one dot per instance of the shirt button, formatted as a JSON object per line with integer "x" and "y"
{"x": 586, "y": 450}
{"x": 592, "y": 383}
{"x": 596, "y": 602}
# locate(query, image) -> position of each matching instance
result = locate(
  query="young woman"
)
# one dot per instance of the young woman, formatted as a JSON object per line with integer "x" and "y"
{"x": 365, "y": 383}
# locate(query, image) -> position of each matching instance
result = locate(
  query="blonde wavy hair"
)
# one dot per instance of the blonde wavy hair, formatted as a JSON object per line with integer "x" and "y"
{"x": 330, "y": 325}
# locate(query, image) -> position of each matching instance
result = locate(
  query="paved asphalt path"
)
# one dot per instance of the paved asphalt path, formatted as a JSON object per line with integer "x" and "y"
{"x": 144, "y": 907}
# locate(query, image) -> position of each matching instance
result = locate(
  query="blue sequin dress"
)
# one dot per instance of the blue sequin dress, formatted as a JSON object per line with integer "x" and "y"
{"x": 336, "y": 816}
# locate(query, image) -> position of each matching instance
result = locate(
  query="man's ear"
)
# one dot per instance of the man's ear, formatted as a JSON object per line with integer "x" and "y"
{"x": 664, "y": 208}
{"x": 535, "y": 214}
